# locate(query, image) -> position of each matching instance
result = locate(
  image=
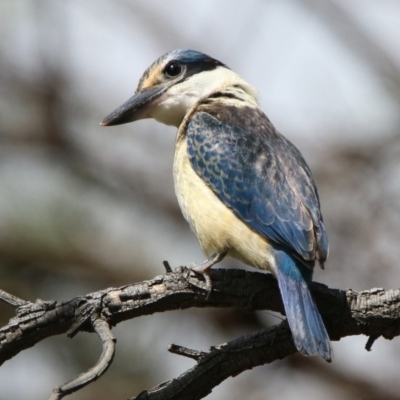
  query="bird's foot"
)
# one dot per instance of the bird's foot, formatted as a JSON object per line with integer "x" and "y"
{"x": 204, "y": 269}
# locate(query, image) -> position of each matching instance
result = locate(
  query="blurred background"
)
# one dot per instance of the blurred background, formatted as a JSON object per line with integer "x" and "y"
{"x": 84, "y": 207}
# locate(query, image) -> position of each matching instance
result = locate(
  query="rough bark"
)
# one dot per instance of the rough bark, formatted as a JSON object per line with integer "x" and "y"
{"x": 373, "y": 313}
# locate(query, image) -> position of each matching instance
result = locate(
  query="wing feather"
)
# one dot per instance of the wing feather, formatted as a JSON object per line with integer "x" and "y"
{"x": 262, "y": 177}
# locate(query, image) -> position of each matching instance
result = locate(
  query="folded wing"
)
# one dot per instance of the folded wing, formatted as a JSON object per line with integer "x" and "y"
{"x": 261, "y": 177}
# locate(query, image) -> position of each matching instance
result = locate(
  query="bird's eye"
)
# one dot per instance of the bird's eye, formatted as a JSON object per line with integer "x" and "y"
{"x": 173, "y": 69}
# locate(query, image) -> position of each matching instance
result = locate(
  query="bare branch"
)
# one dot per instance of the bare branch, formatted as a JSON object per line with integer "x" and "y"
{"x": 374, "y": 313}
{"x": 108, "y": 342}
{"x": 241, "y": 354}
{"x": 11, "y": 300}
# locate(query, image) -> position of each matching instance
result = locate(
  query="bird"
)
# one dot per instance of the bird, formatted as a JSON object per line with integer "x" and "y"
{"x": 245, "y": 190}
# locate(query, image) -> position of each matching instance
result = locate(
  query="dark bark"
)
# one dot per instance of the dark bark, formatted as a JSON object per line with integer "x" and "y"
{"x": 373, "y": 313}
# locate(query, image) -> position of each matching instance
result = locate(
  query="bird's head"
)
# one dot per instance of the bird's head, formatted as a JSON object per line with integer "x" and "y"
{"x": 172, "y": 85}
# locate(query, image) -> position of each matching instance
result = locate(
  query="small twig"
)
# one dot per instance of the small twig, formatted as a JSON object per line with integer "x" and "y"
{"x": 11, "y": 300}
{"x": 167, "y": 267}
{"x": 185, "y": 352}
{"x": 103, "y": 330}
{"x": 371, "y": 340}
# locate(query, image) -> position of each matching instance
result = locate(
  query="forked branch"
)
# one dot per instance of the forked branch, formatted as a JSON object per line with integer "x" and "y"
{"x": 373, "y": 313}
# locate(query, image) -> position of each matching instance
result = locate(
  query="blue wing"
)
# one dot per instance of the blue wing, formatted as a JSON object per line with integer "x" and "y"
{"x": 260, "y": 176}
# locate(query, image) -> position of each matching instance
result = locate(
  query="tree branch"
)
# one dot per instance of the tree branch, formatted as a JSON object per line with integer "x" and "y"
{"x": 222, "y": 362}
{"x": 374, "y": 313}
{"x": 108, "y": 340}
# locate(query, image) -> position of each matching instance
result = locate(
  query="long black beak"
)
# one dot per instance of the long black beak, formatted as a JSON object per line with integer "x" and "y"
{"x": 137, "y": 107}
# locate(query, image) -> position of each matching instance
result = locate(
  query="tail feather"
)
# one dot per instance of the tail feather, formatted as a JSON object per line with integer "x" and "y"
{"x": 308, "y": 330}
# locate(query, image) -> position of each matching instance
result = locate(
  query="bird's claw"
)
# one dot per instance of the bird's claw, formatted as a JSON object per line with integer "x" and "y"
{"x": 204, "y": 270}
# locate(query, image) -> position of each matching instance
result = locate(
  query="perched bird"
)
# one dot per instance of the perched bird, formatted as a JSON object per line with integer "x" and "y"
{"x": 245, "y": 190}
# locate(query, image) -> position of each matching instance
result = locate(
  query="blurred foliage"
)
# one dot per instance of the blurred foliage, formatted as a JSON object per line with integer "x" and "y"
{"x": 83, "y": 207}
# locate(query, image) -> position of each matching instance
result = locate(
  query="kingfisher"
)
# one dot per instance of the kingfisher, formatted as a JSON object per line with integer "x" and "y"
{"x": 244, "y": 188}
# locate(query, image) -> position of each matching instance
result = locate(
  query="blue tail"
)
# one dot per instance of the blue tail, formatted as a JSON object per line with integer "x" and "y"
{"x": 308, "y": 330}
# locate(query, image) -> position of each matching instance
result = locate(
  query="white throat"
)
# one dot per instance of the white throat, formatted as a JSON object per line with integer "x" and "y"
{"x": 172, "y": 106}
